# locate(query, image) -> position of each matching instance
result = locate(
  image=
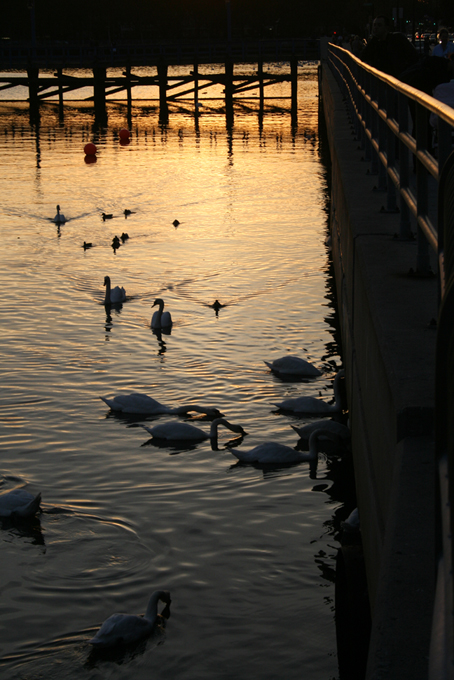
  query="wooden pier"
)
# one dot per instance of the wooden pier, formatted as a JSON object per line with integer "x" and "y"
{"x": 169, "y": 88}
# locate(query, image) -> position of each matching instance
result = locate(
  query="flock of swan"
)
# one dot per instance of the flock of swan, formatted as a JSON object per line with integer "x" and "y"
{"x": 20, "y": 504}
{"x": 175, "y": 432}
{"x": 130, "y": 629}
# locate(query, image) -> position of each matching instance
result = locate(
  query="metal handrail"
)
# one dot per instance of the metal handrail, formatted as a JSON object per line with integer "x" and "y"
{"x": 382, "y": 109}
{"x": 388, "y": 114}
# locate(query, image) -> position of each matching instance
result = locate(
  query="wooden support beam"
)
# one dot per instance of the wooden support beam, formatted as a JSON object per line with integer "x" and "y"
{"x": 99, "y": 85}
{"x": 33, "y": 84}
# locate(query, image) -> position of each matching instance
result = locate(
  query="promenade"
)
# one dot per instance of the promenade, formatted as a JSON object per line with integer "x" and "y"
{"x": 388, "y": 324}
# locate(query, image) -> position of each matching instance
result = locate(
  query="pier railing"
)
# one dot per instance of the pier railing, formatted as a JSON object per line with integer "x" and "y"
{"x": 407, "y": 137}
{"x": 392, "y": 123}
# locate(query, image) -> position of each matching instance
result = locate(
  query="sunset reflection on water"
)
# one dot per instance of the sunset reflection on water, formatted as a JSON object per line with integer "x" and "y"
{"x": 238, "y": 547}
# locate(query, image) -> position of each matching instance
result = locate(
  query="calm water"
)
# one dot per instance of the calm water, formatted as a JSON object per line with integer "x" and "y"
{"x": 248, "y": 554}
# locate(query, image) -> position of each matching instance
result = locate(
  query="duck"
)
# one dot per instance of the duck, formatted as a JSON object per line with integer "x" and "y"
{"x": 274, "y": 452}
{"x": 127, "y": 629}
{"x": 160, "y": 318}
{"x": 338, "y": 429}
{"x": 217, "y": 306}
{"x": 313, "y": 404}
{"x": 290, "y": 365}
{"x": 176, "y": 223}
{"x": 116, "y": 243}
{"x": 124, "y": 237}
{"x": 86, "y": 245}
{"x": 176, "y": 431}
{"x": 19, "y": 504}
{"x": 127, "y": 212}
{"x": 137, "y": 402}
{"x": 106, "y": 216}
{"x": 113, "y": 295}
{"x": 59, "y": 217}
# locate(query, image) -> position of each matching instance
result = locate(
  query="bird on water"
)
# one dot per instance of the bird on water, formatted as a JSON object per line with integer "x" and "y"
{"x": 177, "y": 431}
{"x": 113, "y": 295}
{"x": 59, "y": 217}
{"x": 313, "y": 404}
{"x": 127, "y": 629}
{"x": 160, "y": 318}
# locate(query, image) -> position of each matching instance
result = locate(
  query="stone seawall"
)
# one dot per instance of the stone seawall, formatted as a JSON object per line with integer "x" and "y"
{"x": 388, "y": 333}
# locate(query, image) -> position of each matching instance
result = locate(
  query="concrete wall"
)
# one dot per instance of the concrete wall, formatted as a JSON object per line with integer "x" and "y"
{"x": 389, "y": 354}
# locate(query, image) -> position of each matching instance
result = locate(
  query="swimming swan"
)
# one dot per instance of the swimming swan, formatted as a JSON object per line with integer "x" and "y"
{"x": 289, "y": 366}
{"x": 127, "y": 628}
{"x": 19, "y": 503}
{"x": 351, "y": 524}
{"x": 177, "y": 431}
{"x": 160, "y": 319}
{"x": 142, "y": 403}
{"x": 113, "y": 295}
{"x": 59, "y": 217}
{"x": 273, "y": 452}
{"x": 312, "y": 404}
{"x": 340, "y": 430}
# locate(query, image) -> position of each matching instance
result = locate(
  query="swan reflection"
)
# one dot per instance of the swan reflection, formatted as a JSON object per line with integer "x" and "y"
{"x": 28, "y": 528}
{"x": 158, "y": 333}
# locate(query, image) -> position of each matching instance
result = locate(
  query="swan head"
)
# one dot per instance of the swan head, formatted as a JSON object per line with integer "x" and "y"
{"x": 164, "y": 596}
{"x": 159, "y": 302}
{"x": 107, "y": 281}
{"x": 58, "y": 208}
{"x": 231, "y": 426}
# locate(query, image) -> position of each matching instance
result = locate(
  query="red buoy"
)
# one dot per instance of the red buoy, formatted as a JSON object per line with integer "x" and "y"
{"x": 90, "y": 149}
{"x": 124, "y": 134}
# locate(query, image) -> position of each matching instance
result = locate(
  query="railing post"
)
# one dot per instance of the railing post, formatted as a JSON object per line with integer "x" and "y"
{"x": 382, "y": 138}
{"x": 422, "y": 190}
{"x": 373, "y": 128}
{"x": 367, "y": 118}
{"x": 391, "y": 204}
{"x": 404, "y": 164}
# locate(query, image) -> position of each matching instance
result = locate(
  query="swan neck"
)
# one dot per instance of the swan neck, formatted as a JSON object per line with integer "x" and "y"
{"x": 107, "y": 285}
{"x": 336, "y": 387}
{"x": 222, "y": 421}
{"x": 214, "y": 427}
{"x": 313, "y": 450}
{"x": 152, "y": 609}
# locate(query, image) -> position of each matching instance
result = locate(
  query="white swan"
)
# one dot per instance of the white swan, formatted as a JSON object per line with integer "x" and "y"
{"x": 290, "y": 365}
{"x": 19, "y": 503}
{"x": 127, "y": 628}
{"x": 160, "y": 319}
{"x": 273, "y": 452}
{"x": 313, "y": 404}
{"x": 340, "y": 430}
{"x": 177, "y": 431}
{"x": 351, "y": 524}
{"x": 142, "y": 403}
{"x": 113, "y": 295}
{"x": 59, "y": 217}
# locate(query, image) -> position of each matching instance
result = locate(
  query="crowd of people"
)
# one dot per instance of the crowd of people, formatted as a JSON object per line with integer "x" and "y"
{"x": 431, "y": 71}
{"x": 392, "y": 52}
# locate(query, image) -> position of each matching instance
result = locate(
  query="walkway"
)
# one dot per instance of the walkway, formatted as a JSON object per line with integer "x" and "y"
{"x": 389, "y": 334}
